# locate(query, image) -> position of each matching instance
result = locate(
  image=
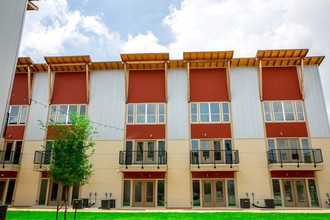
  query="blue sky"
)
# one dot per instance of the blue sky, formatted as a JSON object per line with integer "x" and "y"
{"x": 104, "y": 29}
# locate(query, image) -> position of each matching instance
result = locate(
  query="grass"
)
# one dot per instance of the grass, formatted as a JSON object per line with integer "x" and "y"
{"x": 47, "y": 215}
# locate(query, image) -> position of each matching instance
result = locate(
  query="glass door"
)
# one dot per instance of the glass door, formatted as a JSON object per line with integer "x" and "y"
{"x": 143, "y": 193}
{"x": 294, "y": 150}
{"x": 300, "y": 193}
{"x": 206, "y": 154}
{"x": 57, "y": 193}
{"x": 214, "y": 193}
{"x": 295, "y": 193}
{"x": 283, "y": 151}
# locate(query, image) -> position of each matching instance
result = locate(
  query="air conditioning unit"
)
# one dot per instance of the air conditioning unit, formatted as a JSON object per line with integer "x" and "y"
{"x": 269, "y": 203}
{"x": 108, "y": 204}
{"x": 245, "y": 203}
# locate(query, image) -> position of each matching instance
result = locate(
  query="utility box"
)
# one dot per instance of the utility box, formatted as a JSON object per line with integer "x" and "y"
{"x": 85, "y": 202}
{"x": 3, "y": 211}
{"x": 269, "y": 203}
{"x": 245, "y": 203}
{"x": 77, "y": 204}
{"x": 108, "y": 204}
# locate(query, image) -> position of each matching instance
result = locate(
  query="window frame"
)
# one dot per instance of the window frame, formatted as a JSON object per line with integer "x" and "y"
{"x": 56, "y": 110}
{"x": 269, "y": 116}
{"x": 221, "y": 114}
{"x": 19, "y": 114}
{"x": 132, "y": 117}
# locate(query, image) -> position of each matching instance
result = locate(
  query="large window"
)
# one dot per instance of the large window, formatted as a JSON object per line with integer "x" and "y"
{"x": 278, "y": 111}
{"x": 17, "y": 114}
{"x": 61, "y": 113}
{"x": 210, "y": 112}
{"x": 146, "y": 113}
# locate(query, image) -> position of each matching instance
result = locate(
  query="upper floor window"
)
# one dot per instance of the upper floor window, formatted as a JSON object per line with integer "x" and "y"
{"x": 146, "y": 113}
{"x": 210, "y": 112}
{"x": 278, "y": 111}
{"x": 61, "y": 113}
{"x": 18, "y": 114}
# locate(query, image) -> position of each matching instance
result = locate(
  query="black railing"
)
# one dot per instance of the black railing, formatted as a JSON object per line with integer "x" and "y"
{"x": 214, "y": 157}
{"x": 10, "y": 157}
{"x": 42, "y": 157}
{"x": 297, "y": 156}
{"x": 142, "y": 158}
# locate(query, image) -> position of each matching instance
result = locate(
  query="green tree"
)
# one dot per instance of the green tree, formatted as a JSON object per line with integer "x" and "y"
{"x": 73, "y": 146}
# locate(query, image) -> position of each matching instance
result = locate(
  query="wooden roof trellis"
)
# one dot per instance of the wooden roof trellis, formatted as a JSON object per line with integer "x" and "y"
{"x": 31, "y": 7}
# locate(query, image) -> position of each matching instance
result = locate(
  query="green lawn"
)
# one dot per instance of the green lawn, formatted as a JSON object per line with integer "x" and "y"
{"x": 39, "y": 215}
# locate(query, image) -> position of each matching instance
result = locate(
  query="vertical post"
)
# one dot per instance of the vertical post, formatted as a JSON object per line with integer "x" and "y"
{"x": 188, "y": 81}
{"x": 126, "y": 82}
{"x": 260, "y": 80}
{"x": 87, "y": 83}
{"x": 49, "y": 85}
{"x": 302, "y": 87}
{"x": 29, "y": 85}
{"x": 166, "y": 89}
{"x": 228, "y": 79}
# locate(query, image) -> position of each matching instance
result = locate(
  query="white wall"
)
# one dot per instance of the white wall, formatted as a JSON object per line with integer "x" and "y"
{"x": 315, "y": 105}
{"x": 177, "y": 108}
{"x": 107, "y": 103}
{"x": 246, "y": 107}
{"x": 12, "y": 15}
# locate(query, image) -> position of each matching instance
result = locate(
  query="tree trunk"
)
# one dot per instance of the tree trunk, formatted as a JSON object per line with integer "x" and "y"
{"x": 65, "y": 201}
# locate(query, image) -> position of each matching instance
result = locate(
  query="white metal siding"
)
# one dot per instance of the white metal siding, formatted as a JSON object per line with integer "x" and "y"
{"x": 177, "y": 105}
{"x": 247, "y": 116}
{"x": 38, "y": 110}
{"x": 107, "y": 104}
{"x": 315, "y": 105}
{"x": 12, "y": 15}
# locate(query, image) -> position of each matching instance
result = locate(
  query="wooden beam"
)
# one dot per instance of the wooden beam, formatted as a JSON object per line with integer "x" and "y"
{"x": 87, "y": 83}
{"x": 49, "y": 85}
{"x": 69, "y": 64}
{"x": 188, "y": 81}
{"x": 166, "y": 86}
{"x": 126, "y": 82}
{"x": 29, "y": 85}
{"x": 302, "y": 80}
{"x": 207, "y": 61}
{"x": 260, "y": 80}
{"x": 145, "y": 62}
{"x": 228, "y": 79}
{"x": 280, "y": 58}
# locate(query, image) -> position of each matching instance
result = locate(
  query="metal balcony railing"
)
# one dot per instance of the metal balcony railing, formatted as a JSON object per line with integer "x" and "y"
{"x": 298, "y": 156}
{"x": 10, "y": 157}
{"x": 214, "y": 157}
{"x": 142, "y": 158}
{"x": 42, "y": 157}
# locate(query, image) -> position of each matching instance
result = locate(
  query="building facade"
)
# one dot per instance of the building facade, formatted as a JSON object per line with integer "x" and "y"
{"x": 202, "y": 131}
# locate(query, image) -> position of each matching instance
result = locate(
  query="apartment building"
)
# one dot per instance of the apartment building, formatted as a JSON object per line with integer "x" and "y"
{"x": 202, "y": 131}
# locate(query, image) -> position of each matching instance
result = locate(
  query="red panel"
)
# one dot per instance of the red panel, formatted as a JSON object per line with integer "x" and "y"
{"x": 69, "y": 88}
{"x": 280, "y": 83}
{"x": 292, "y": 174}
{"x": 19, "y": 92}
{"x": 52, "y": 133}
{"x": 210, "y": 131}
{"x": 286, "y": 129}
{"x": 146, "y": 86}
{"x": 208, "y": 85}
{"x": 8, "y": 174}
{"x": 145, "y": 132}
{"x": 213, "y": 174}
{"x": 15, "y": 132}
{"x": 144, "y": 175}
{"x": 44, "y": 174}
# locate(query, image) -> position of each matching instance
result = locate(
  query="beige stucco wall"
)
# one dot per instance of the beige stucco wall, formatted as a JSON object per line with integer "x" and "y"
{"x": 253, "y": 175}
{"x": 27, "y": 179}
{"x": 178, "y": 174}
{"x": 106, "y": 177}
{"x": 323, "y": 177}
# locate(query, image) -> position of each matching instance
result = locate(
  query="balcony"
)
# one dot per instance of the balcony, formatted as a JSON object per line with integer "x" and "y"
{"x": 10, "y": 160}
{"x": 295, "y": 159}
{"x": 143, "y": 160}
{"x": 42, "y": 160}
{"x": 209, "y": 160}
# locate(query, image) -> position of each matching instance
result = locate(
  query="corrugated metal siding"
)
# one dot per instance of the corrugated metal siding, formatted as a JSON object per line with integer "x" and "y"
{"x": 37, "y": 110}
{"x": 107, "y": 104}
{"x": 12, "y": 15}
{"x": 177, "y": 108}
{"x": 247, "y": 116}
{"x": 315, "y": 105}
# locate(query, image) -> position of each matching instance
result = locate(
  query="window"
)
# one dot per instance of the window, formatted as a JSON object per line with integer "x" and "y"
{"x": 210, "y": 112}
{"x": 61, "y": 113}
{"x": 280, "y": 111}
{"x": 17, "y": 114}
{"x": 146, "y": 113}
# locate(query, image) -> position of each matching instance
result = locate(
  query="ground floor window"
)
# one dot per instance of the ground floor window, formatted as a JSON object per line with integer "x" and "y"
{"x": 144, "y": 193}
{"x": 300, "y": 192}
{"x": 7, "y": 187}
{"x": 213, "y": 192}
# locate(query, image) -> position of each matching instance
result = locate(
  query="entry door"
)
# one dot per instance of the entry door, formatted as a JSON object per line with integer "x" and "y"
{"x": 145, "y": 152}
{"x": 143, "y": 193}
{"x": 295, "y": 194}
{"x": 214, "y": 193}
{"x": 57, "y": 193}
{"x": 2, "y": 191}
{"x": 7, "y": 187}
